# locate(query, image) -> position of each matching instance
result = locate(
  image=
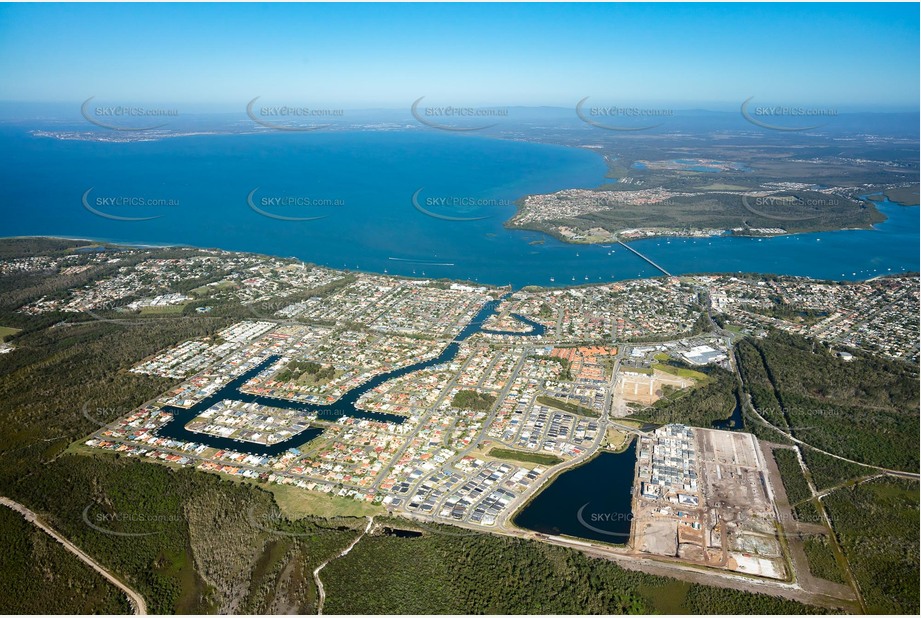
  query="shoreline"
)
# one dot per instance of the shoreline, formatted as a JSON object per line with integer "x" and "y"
{"x": 553, "y": 231}
{"x": 129, "y": 245}
{"x": 117, "y": 243}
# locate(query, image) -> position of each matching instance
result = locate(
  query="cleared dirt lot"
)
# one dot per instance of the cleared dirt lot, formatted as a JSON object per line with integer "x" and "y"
{"x": 643, "y": 389}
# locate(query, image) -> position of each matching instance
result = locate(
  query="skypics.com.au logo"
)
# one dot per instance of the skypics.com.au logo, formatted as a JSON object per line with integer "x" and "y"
{"x": 290, "y": 117}
{"x": 127, "y": 524}
{"x": 456, "y": 207}
{"x": 127, "y": 207}
{"x": 615, "y": 525}
{"x": 617, "y": 118}
{"x": 787, "y": 208}
{"x": 126, "y": 117}
{"x": 292, "y": 207}
{"x": 457, "y": 118}
{"x": 785, "y": 118}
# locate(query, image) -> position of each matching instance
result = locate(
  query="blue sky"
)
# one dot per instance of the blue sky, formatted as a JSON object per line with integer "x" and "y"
{"x": 851, "y": 56}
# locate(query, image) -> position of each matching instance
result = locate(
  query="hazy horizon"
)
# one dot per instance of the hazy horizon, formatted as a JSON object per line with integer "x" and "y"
{"x": 861, "y": 57}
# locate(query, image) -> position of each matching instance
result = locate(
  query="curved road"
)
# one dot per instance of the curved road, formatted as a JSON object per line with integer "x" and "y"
{"x": 762, "y": 421}
{"x": 136, "y": 600}
{"x": 321, "y": 592}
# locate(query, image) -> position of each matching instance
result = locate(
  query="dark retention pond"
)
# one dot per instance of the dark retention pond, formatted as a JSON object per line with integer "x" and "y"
{"x": 735, "y": 422}
{"x": 403, "y": 534}
{"x": 592, "y": 501}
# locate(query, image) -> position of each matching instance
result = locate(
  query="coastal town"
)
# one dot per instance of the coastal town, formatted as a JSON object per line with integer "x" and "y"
{"x": 630, "y": 210}
{"x": 460, "y": 309}
{"x": 873, "y": 315}
{"x": 458, "y": 404}
{"x": 466, "y": 439}
{"x": 380, "y": 389}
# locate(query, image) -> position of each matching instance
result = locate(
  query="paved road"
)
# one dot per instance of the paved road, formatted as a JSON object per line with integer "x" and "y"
{"x": 754, "y": 415}
{"x": 660, "y": 565}
{"x": 762, "y": 421}
{"x": 137, "y": 601}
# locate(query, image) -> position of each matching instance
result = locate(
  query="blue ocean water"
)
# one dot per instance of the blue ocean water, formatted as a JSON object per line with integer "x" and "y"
{"x": 233, "y": 191}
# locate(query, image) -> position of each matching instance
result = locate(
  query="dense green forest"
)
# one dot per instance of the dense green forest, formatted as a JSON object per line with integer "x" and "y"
{"x": 39, "y": 576}
{"x": 294, "y": 371}
{"x": 877, "y": 525}
{"x": 795, "y": 485}
{"x": 865, "y": 409}
{"x": 189, "y": 542}
{"x": 827, "y": 471}
{"x": 499, "y": 575}
{"x": 61, "y": 381}
{"x": 821, "y": 559}
{"x": 472, "y": 400}
{"x": 708, "y": 600}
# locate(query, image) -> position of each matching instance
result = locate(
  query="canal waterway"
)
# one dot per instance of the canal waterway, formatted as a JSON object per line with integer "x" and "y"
{"x": 344, "y": 406}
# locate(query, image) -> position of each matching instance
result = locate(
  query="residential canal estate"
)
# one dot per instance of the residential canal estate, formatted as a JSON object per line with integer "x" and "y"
{"x": 492, "y": 410}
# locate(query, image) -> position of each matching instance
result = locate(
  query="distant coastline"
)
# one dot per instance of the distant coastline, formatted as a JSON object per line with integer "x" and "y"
{"x": 574, "y": 234}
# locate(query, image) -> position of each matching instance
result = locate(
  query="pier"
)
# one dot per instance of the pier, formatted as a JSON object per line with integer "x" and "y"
{"x": 626, "y": 246}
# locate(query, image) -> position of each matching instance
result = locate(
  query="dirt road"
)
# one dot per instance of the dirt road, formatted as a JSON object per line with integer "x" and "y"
{"x": 321, "y": 592}
{"x": 136, "y": 600}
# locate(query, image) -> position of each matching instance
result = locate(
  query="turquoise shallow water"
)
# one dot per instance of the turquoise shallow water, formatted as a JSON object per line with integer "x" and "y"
{"x": 362, "y": 185}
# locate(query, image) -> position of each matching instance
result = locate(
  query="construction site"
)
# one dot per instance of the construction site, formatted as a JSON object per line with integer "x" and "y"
{"x": 644, "y": 388}
{"x": 702, "y": 496}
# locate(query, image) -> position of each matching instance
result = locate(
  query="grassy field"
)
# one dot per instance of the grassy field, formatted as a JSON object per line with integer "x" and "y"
{"x": 618, "y": 440}
{"x": 6, "y": 331}
{"x": 682, "y": 372}
{"x": 671, "y": 603}
{"x": 644, "y": 370}
{"x": 538, "y": 458}
{"x": 566, "y": 406}
{"x": 164, "y": 309}
{"x": 295, "y": 502}
{"x": 209, "y": 289}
